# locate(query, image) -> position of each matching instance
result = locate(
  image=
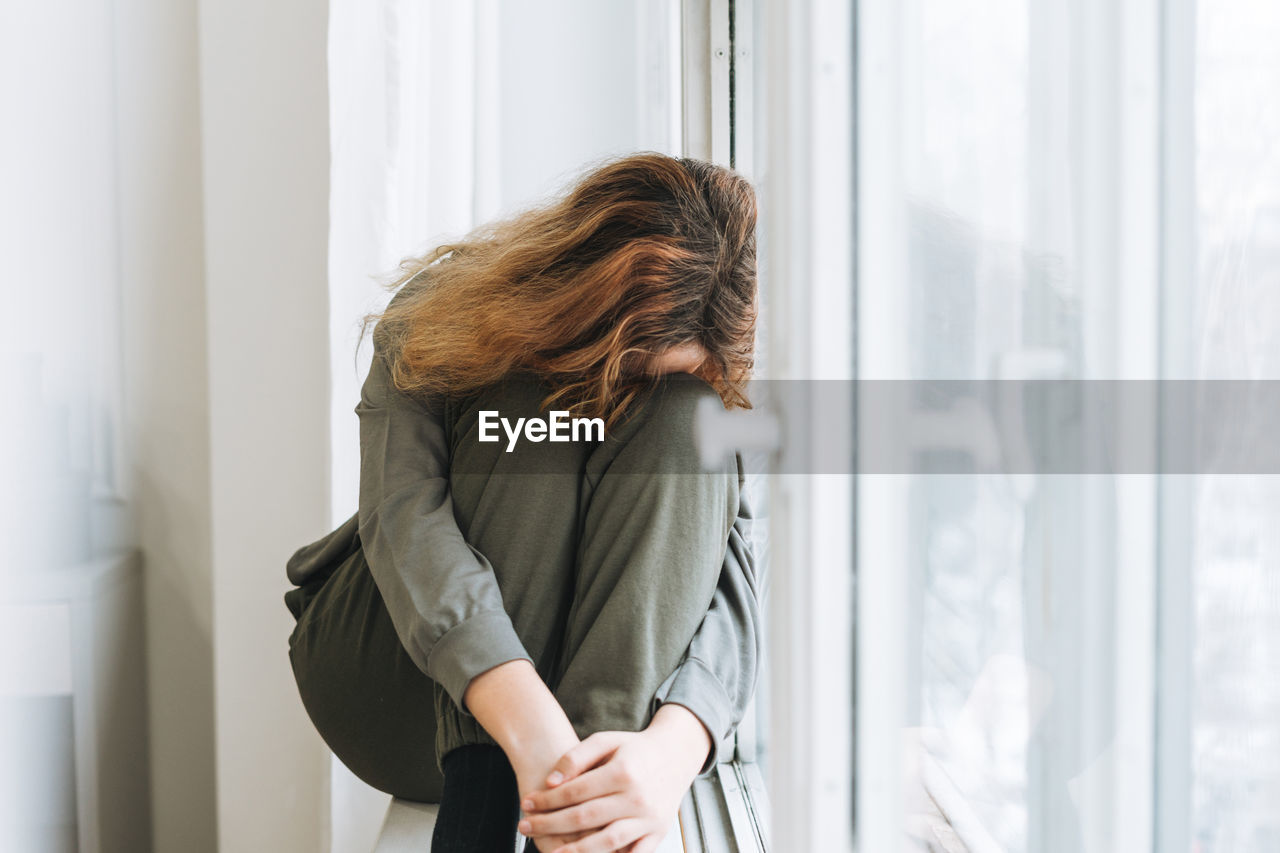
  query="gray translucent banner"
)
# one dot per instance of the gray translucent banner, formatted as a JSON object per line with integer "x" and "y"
{"x": 1011, "y": 426}
{"x": 933, "y": 427}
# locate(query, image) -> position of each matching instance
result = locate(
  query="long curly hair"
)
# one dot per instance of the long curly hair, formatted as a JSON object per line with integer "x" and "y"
{"x": 641, "y": 253}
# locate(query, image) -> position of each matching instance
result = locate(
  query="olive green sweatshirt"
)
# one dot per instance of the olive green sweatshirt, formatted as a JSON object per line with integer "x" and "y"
{"x": 442, "y": 594}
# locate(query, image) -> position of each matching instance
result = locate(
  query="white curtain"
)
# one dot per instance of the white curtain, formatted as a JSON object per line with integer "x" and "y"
{"x": 413, "y": 162}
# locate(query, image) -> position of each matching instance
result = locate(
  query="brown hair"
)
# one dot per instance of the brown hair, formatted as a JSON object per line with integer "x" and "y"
{"x": 643, "y": 253}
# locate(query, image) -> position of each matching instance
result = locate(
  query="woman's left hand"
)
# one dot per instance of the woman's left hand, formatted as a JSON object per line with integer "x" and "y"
{"x": 622, "y": 789}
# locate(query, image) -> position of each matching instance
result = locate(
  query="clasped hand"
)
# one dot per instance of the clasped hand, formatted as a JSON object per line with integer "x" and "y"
{"x": 617, "y": 790}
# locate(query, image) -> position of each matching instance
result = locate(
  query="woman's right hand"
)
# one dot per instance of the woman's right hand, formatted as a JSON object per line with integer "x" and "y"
{"x": 620, "y": 790}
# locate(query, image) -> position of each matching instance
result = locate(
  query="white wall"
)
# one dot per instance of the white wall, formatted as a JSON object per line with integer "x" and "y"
{"x": 223, "y": 214}
{"x": 59, "y": 360}
{"x": 266, "y": 183}
{"x": 104, "y": 273}
{"x": 166, "y": 410}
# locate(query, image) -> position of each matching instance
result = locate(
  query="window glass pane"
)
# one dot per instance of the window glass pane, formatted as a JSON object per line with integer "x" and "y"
{"x": 965, "y": 173}
{"x": 1235, "y": 738}
{"x": 1012, "y": 599}
{"x": 1028, "y": 233}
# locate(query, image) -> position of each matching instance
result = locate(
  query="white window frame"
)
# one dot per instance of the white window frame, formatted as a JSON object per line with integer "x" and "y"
{"x": 1174, "y": 629}
{"x": 802, "y": 127}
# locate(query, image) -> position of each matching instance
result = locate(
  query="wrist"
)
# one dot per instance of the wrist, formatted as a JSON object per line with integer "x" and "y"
{"x": 682, "y": 734}
{"x": 518, "y": 710}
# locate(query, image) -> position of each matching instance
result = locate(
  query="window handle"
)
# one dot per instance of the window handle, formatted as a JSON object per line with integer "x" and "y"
{"x": 718, "y": 433}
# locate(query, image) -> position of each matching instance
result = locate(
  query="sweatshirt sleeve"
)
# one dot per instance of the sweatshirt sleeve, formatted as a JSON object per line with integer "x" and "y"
{"x": 717, "y": 677}
{"x": 441, "y": 594}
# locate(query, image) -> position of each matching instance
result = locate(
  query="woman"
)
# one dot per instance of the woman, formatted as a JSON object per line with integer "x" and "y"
{"x": 563, "y": 628}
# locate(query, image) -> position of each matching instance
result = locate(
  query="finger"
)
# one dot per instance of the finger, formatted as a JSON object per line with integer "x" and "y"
{"x": 547, "y": 843}
{"x": 594, "y": 783}
{"x": 648, "y": 844}
{"x": 584, "y": 756}
{"x": 593, "y": 814}
{"x": 613, "y": 837}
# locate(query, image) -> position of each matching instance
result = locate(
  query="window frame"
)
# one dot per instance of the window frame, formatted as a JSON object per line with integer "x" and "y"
{"x": 799, "y": 123}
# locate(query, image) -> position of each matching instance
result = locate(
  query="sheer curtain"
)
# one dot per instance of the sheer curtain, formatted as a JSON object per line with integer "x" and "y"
{"x": 413, "y": 146}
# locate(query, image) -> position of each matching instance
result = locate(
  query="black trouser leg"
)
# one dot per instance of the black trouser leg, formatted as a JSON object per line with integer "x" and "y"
{"x": 480, "y": 807}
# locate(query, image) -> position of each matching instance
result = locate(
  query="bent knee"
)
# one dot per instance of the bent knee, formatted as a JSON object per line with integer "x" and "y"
{"x": 660, "y": 436}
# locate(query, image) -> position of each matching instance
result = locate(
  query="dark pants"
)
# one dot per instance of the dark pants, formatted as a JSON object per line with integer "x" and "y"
{"x": 606, "y": 554}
